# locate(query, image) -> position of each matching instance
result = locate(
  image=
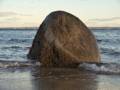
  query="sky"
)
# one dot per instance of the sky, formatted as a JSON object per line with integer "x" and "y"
{"x": 31, "y": 13}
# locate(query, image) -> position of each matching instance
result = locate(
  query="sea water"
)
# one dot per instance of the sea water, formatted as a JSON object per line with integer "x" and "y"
{"x": 15, "y": 44}
{"x": 17, "y": 73}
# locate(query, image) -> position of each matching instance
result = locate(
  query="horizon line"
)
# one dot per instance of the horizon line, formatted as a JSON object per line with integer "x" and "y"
{"x": 38, "y": 27}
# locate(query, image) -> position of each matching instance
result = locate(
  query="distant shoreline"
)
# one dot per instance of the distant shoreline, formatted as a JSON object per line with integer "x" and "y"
{"x": 35, "y": 28}
{"x": 104, "y": 28}
{"x": 19, "y": 28}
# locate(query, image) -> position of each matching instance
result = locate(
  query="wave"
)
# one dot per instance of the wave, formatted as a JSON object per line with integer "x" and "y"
{"x": 15, "y": 40}
{"x": 103, "y": 68}
{"x": 9, "y": 64}
{"x": 14, "y": 47}
{"x": 108, "y": 40}
{"x": 20, "y": 40}
{"x": 110, "y": 51}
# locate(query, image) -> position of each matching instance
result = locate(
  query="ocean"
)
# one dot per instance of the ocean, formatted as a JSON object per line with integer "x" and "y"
{"x": 16, "y": 72}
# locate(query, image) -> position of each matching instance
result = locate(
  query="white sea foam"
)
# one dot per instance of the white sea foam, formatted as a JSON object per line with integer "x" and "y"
{"x": 7, "y": 64}
{"x": 106, "y": 68}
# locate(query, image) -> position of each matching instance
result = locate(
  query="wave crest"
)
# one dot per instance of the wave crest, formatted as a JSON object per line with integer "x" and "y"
{"x": 8, "y": 64}
{"x": 104, "y": 68}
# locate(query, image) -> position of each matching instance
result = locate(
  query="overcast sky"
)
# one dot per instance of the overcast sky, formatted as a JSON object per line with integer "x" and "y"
{"x": 30, "y": 13}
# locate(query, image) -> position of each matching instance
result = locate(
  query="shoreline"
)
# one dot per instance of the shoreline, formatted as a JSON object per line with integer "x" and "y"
{"x": 56, "y": 79}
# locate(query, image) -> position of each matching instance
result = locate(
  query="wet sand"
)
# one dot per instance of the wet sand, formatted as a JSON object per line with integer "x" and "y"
{"x": 56, "y": 79}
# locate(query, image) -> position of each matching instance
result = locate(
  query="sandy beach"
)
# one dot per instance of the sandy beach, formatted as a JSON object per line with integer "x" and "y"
{"x": 55, "y": 79}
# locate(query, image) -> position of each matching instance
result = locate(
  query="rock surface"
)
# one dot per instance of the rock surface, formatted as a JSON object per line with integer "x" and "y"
{"x": 63, "y": 40}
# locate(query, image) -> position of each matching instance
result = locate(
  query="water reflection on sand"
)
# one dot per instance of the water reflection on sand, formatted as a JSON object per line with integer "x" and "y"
{"x": 56, "y": 79}
{"x": 63, "y": 79}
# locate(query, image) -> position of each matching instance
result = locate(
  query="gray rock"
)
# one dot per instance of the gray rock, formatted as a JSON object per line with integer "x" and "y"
{"x": 63, "y": 40}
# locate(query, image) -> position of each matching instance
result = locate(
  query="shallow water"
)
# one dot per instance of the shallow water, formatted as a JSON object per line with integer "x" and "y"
{"x": 55, "y": 79}
{"x": 16, "y": 72}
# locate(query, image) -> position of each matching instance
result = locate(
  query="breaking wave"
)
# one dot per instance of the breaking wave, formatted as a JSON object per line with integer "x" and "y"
{"x": 103, "y": 68}
{"x": 10, "y": 64}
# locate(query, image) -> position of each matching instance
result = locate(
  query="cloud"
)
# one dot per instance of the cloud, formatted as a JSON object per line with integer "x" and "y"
{"x": 105, "y": 19}
{"x": 104, "y": 22}
{"x": 9, "y": 14}
{"x": 11, "y": 19}
{"x": 6, "y": 14}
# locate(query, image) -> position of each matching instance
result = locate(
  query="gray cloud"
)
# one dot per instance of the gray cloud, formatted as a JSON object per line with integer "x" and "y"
{"x": 11, "y": 19}
{"x": 7, "y": 14}
{"x": 105, "y": 19}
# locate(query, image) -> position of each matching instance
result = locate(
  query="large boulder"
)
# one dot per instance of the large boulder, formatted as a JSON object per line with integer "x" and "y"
{"x": 63, "y": 40}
